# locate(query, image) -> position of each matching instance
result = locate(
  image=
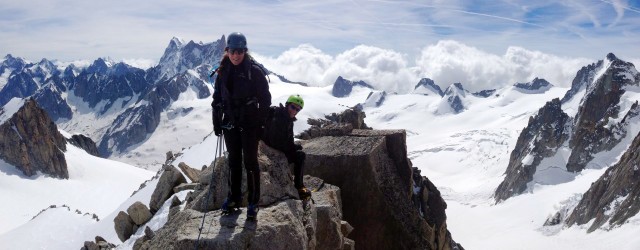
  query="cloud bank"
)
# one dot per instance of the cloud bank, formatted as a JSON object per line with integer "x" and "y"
{"x": 446, "y": 62}
{"x": 449, "y": 61}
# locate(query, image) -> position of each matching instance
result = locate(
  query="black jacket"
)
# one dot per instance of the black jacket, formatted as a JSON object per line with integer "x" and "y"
{"x": 278, "y": 130}
{"x": 241, "y": 94}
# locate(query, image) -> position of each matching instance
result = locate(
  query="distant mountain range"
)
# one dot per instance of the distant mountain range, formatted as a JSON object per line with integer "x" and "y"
{"x": 124, "y": 102}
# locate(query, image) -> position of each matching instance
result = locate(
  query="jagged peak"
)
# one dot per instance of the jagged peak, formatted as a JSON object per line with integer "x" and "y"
{"x": 46, "y": 63}
{"x": 429, "y": 84}
{"x": 455, "y": 89}
{"x": 458, "y": 85}
{"x": 176, "y": 41}
{"x": 535, "y": 84}
{"x": 12, "y": 61}
{"x": 611, "y": 57}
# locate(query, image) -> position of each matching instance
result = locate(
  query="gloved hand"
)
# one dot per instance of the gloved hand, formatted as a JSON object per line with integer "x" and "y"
{"x": 217, "y": 129}
{"x": 297, "y": 146}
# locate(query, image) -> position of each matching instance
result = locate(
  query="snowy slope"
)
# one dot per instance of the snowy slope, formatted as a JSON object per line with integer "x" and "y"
{"x": 95, "y": 186}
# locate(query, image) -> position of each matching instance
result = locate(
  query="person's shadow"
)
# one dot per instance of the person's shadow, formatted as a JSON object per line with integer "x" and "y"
{"x": 230, "y": 228}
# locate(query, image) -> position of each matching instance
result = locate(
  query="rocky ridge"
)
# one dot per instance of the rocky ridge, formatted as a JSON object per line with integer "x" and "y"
{"x": 30, "y": 141}
{"x": 404, "y": 210}
{"x": 595, "y": 128}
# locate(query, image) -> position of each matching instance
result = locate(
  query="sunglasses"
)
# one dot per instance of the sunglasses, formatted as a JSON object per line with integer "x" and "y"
{"x": 292, "y": 107}
{"x": 236, "y": 51}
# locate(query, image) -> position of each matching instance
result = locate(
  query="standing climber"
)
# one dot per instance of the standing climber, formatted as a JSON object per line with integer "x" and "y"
{"x": 241, "y": 101}
{"x": 278, "y": 133}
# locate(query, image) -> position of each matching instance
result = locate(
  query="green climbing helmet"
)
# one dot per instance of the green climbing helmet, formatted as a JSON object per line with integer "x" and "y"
{"x": 236, "y": 40}
{"x": 297, "y": 99}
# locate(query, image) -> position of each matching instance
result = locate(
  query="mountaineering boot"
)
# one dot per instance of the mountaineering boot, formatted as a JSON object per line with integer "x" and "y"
{"x": 304, "y": 193}
{"x": 252, "y": 211}
{"x": 230, "y": 206}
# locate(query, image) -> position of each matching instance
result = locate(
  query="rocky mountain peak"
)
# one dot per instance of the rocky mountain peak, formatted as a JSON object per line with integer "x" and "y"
{"x": 537, "y": 85}
{"x": 484, "y": 93}
{"x": 611, "y": 57}
{"x": 600, "y": 104}
{"x": 179, "y": 57}
{"x": 601, "y": 123}
{"x": 584, "y": 77}
{"x": 545, "y": 132}
{"x": 14, "y": 63}
{"x": 30, "y": 141}
{"x": 453, "y": 97}
{"x": 343, "y": 87}
{"x": 44, "y": 63}
{"x": 429, "y": 85}
{"x": 100, "y": 66}
{"x": 455, "y": 89}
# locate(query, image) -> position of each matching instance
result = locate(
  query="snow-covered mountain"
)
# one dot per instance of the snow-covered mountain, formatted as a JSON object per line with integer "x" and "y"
{"x": 465, "y": 152}
{"x": 117, "y": 105}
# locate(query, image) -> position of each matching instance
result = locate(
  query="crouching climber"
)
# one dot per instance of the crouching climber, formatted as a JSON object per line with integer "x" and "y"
{"x": 278, "y": 134}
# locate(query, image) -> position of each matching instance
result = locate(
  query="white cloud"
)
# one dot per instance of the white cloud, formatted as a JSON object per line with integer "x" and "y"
{"x": 304, "y": 63}
{"x": 450, "y": 61}
{"x": 140, "y": 63}
{"x": 383, "y": 69}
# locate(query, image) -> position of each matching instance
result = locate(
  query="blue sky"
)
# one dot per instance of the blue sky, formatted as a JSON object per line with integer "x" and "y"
{"x": 391, "y": 44}
{"x": 69, "y": 30}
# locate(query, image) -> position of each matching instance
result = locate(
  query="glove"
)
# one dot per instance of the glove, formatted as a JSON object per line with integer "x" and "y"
{"x": 217, "y": 129}
{"x": 297, "y": 146}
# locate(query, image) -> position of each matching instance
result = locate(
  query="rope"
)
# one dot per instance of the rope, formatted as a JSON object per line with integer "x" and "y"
{"x": 218, "y": 153}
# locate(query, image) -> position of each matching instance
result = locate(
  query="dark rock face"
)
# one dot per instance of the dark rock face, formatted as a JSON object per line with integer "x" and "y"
{"x": 342, "y": 87}
{"x": 429, "y": 85}
{"x": 484, "y": 93}
{"x": 377, "y": 199}
{"x": 146, "y": 120}
{"x": 600, "y": 104}
{"x": 584, "y": 77}
{"x": 51, "y": 100}
{"x": 544, "y": 133}
{"x": 85, "y": 143}
{"x": 453, "y": 95}
{"x": 99, "y": 82}
{"x": 20, "y": 84}
{"x": 596, "y": 127}
{"x": 335, "y": 124}
{"x": 375, "y": 99}
{"x": 537, "y": 84}
{"x": 613, "y": 197}
{"x": 12, "y": 63}
{"x": 30, "y": 141}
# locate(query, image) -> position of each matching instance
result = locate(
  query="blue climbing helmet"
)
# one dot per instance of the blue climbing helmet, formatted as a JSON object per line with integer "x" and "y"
{"x": 236, "y": 40}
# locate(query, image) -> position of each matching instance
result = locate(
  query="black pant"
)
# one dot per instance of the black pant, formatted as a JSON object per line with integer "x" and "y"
{"x": 242, "y": 145}
{"x": 297, "y": 158}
